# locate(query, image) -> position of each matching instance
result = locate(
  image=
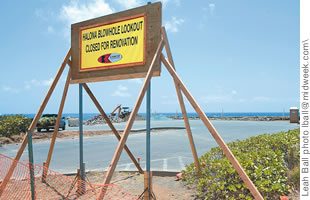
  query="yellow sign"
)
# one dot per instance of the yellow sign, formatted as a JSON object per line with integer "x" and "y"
{"x": 114, "y": 44}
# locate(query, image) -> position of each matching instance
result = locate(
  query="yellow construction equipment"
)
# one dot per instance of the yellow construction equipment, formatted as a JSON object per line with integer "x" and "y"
{"x": 121, "y": 114}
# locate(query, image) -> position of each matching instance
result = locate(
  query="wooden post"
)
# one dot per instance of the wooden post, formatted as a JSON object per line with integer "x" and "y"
{"x": 34, "y": 123}
{"x": 50, "y": 152}
{"x": 182, "y": 105}
{"x": 148, "y": 185}
{"x": 106, "y": 118}
{"x": 79, "y": 190}
{"x": 130, "y": 122}
{"x": 213, "y": 132}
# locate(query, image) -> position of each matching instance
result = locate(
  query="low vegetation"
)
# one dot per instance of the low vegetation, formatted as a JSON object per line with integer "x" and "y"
{"x": 11, "y": 125}
{"x": 270, "y": 160}
{"x": 46, "y": 121}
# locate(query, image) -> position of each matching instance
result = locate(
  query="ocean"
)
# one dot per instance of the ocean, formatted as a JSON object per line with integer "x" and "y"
{"x": 162, "y": 116}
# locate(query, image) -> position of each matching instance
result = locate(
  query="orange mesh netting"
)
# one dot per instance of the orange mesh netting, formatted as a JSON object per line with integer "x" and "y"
{"x": 55, "y": 186}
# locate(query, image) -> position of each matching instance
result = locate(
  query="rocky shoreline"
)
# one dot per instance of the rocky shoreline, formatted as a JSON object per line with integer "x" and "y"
{"x": 98, "y": 120}
{"x": 244, "y": 118}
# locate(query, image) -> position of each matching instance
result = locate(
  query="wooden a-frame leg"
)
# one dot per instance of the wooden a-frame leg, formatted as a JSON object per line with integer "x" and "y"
{"x": 106, "y": 118}
{"x": 34, "y": 123}
{"x": 50, "y": 152}
{"x": 213, "y": 132}
{"x": 181, "y": 101}
{"x": 130, "y": 122}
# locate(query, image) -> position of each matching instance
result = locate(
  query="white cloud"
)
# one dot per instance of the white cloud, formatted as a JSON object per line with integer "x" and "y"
{"x": 242, "y": 100}
{"x": 262, "y": 99}
{"x": 47, "y": 82}
{"x": 76, "y": 12}
{"x": 9, "y": 89}
{"x": 212, "y": 8}
{"x": 121, "y": 91}
{"x": 45, "y": 14}
{"x": 127, "y": 4}
{"x": 122, "y": 88}
{"x": 223, "y": 98}
{"x": 216, "y": 98}
{"x": 39, "y": 13}
{"x": 130, "y": 3}
{"x": 27, "y": 86}
{"x": 50, "y": 29}
{"x": 174, "y": 2}
{"x": 173, "y": 24}
{"x": 136, "y": 80}
{"x": 37, "y": 83}
{"x": 203, "y": 18}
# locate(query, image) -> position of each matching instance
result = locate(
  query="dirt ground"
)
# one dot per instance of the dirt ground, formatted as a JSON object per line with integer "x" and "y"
{"x": 165, "y": 185}
{"x": 131, "y": 185}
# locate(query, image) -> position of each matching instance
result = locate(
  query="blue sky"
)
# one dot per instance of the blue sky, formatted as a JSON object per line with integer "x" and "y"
{"x": 239, "y": 56}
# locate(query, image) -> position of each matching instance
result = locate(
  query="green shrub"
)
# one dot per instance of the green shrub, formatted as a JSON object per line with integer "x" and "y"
{"x": 13, "y": 124}
{"x": 46, "y": 121}
{"x": 294, "y": 177}
{"x": 265, "y": 159}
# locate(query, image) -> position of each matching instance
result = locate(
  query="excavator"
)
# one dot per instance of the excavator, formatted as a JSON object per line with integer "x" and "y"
{"x": 121, "y": 114}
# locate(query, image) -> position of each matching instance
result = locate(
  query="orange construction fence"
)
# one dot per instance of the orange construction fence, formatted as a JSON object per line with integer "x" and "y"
{"x": 55, "y": 186}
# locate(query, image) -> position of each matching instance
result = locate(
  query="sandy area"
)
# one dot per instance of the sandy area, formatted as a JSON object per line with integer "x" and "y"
{"x": 125, "y": 184}
{"x": 165, "y": 185}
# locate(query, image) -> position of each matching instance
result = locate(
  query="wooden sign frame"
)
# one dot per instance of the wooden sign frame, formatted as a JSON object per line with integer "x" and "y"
{"x": 152, "y": 13}
{"x": 115, "y": 65}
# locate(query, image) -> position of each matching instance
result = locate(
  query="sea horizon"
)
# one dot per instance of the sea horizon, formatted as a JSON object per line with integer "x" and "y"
{"x": 87, "y": 116}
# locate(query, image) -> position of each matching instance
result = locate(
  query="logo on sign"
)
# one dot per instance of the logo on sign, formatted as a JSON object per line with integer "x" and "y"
{"x": 110, "y": 58}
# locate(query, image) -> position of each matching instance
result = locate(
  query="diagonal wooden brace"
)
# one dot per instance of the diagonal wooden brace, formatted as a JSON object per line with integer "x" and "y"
{"x": 182, "y": 105}
{"x": 229, "y": 155}
{"x": 130, "y": 122}
{"x": 34, "y": 123}
{"x": 55, "y": 133}
{"x": 106, "y": 118}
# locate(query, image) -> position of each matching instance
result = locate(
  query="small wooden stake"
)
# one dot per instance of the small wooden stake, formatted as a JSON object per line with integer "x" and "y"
{"x": 148, "y": 185}
{"x": 229, "y": 155}
{"x": 79, "y": 182}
